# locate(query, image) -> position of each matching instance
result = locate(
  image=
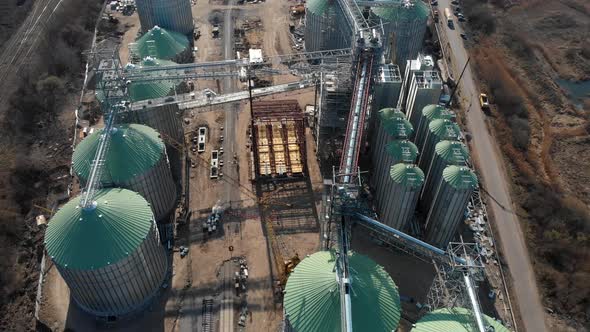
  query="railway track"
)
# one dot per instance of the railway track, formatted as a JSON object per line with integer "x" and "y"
{"x": 20, "y": 47}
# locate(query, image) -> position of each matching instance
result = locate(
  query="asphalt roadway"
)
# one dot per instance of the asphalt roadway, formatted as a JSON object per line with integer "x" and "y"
{"x": 231, "y": 115}
{"x": 490, "y": 166}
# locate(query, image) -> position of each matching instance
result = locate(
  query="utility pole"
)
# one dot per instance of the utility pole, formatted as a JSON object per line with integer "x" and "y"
{"x": 458, "y": 82}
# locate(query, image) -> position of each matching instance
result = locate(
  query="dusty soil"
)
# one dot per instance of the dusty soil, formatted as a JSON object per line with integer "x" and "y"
{"x": 535, "y": 44}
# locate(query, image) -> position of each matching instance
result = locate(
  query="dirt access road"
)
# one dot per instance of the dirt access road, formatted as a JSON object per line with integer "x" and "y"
{"x": 490, "y": 166}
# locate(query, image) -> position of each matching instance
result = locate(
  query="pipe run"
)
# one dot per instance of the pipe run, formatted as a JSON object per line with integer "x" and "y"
{"x": 405, "y": 236}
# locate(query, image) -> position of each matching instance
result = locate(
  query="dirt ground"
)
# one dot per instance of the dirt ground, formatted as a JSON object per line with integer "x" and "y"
{"x": 536, "y": 46}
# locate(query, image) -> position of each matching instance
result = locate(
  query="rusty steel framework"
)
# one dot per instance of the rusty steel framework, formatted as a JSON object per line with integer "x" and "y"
{"x": 278, "y": 134}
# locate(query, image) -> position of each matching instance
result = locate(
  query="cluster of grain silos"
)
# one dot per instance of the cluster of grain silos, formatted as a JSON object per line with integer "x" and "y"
{"x": 449, "y": 203}
{"x": 312, "y": 296}
{"x": 455, "y": 319}
{"x": 404, "y": 29}
{"x": 390, "y": 147}
{"x": 326, "y": 27}
{"x": 174, "y": 15}
{"x": 400, "y": 184}
{"x": 136, "y": 160}
{"x": 161, "y": 44}
{"x": 109, "y": 253}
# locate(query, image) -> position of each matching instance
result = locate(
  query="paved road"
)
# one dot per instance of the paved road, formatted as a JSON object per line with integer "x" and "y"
{"x": 494, "y": 180}
{"x": 231, "y": 117}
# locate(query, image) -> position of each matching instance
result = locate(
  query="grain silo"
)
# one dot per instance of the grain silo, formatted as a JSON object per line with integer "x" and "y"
{"x": 109, "y": 254}
{"x": 449, "y": 204}
{"x": 161, "y": 44}
{"x": 175, "y": 15}
{"x": 457, "y": 320}
{"x": 326, "y": 27}
{"x": 396, "y": 151}
{"x": 404, "y": 29}
{"x": 136, "y": 160}
{"x": 312, "y": 295}
{"x": 430, "y": 113}
{"x": 164, "y": 117}
{"x": 401, "y": 195}
{"x": 438, "y": 130}
{"x": 445, "y": 153}
{"x": 149, "y": 89}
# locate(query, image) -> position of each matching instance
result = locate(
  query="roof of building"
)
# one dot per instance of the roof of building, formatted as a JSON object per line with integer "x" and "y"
{"x": 407, "y": 175}
{"x": 159, "y": 43}
{"x": 433, "y": 112}
{"x": 386, "y": 114}
{"x": 413, "y": 10}
{"x": 150, "y": 89}
{"x": 453, "y": 152}
{"x": 133, "y": 150}
{"x": 460, "y": 177}
{"x": 398, "y": 127}
{"x": 82, "y": 239}
{"x": 402, "y": 150}
{"x": 444, "y": 129}
{"x": 453, "y": 320}
{"x": 318, "y": 7}
{"x": 312, "y": 297}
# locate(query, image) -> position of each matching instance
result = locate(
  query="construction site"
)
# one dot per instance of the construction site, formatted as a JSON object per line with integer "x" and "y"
{"x": 275, "y": 166}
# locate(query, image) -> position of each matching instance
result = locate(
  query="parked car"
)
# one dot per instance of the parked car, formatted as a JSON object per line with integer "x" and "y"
{"x": 484, "y": 101}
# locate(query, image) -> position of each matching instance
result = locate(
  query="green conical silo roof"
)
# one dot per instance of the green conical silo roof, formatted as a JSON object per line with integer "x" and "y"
{"x": 160, "y": 43}
{"x": 415, "y": 10}
{"x": 386, "y": 114}
{"x": 402, "y": 150}
{"x": 317, "y": 7}
{"x": 454, "y": 320}
{"x": 82, "y": 239}
{"x": 408, "y": 175}
{"x": 150, "y": 89}
{"x": 312, "y": 296}
{"x": 433, "y": 112}
{"x": 444, "y": 129}
{"x": 453, "y": 152}
{"x": 133, "y": 150}
{"x": 460, "y": 177}
{"x": 398, "y": 127}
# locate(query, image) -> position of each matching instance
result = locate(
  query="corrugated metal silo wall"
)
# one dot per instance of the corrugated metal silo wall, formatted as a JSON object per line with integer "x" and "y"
{"x": 123, "y": 287}
{"x": 409, "y": 40}
{"x": 400, "y": 204}
{"x": 421, "y": 131}
{"x": 379, "y": 166}
{"x": 157, "y": 187}
{"x": 445, "y": 214}
{"x": 175, "y": 15}
{"x": 418, "y": 98}
{"x": 166, "y": 119}
{"x": 386, "y": 95}
{"x": 432, "y": 177}
{"x": 341, "y": 33}
{"x": 314, "y": 25}
{"x": 385, "y": 187}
